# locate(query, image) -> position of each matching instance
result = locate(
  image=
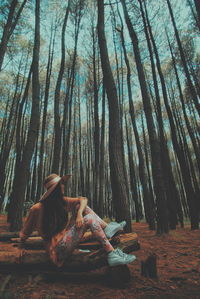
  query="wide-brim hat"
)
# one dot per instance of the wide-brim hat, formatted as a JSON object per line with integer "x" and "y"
{"x": 51, "y": 182}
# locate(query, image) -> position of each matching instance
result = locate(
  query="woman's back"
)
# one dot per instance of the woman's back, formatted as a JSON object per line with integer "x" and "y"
{"x": 35, "y": 217}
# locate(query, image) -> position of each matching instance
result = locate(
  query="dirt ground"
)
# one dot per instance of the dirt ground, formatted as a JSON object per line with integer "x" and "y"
{"x": 178, "y": 265}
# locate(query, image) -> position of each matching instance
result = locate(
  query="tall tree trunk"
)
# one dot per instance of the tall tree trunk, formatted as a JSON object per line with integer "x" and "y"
{"x": 133, "y": 181}
{"x": 19, "y": 136}
{"x": 66, "y": 125}
{"x": 102, "y": 159}
{"x": 44, "y": 118}
{"x": 96, "y": 123}
{"x": 159, "y": 188}
{"x": 22, "y": 175}
{"x": 9, "y": 132}
{"x": 117, "y": 169}
{"x": 170, "y": 186}
{"x": 149, "y": 209}
{"x": 149, "y": 180}
{"x": 57, "y": 125}
{"x": 81, "y": 143}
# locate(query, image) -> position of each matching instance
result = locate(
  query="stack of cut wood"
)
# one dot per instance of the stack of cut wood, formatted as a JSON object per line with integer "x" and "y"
{"x": 88, "y": 256}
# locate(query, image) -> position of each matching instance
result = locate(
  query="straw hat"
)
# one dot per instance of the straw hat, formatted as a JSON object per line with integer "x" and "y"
{"x": 51, "y": 182}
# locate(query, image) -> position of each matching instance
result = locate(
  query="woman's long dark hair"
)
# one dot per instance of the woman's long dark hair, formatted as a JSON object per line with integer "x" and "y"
{"x": 55, "y": 216}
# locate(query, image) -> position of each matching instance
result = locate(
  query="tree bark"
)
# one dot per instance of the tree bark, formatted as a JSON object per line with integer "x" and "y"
{"x": 57, "y": 125}
{"x": 102, "y": 160}
{"x": 44, "y": 118}
{"x": 22, "y": 175}
{"x": 78, "y": 262}
{"x": 162, "y": 215}
{"x": 149, "y": 209}
{"x": 117, "y": 168}
{"x": 173, "y": 199}
{"x": 8, "y": 137}
{"x": 133, "y": 181}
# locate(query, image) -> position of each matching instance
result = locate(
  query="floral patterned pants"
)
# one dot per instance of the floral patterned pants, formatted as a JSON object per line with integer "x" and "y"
{"x": 74, "y": 235}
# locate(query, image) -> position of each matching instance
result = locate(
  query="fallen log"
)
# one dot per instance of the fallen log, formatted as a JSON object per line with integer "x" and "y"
{"x": 77, "y": 262}
{"x": 37, "y": 243}
{"x": 7, "y": 236}
{"x": 14, "y": 236}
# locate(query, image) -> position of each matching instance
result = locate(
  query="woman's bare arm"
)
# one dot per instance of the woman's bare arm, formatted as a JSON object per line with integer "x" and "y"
{"x": 28, "y": 226}
{"x": 83, "y": 203}
{"x": 82, "y": 200}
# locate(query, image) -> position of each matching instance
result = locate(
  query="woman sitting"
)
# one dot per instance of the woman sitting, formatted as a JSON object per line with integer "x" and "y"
{"x": 50, "y": 218}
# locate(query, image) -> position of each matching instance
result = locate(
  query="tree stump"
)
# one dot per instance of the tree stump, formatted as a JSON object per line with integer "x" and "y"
{"x": 149, "y": 267}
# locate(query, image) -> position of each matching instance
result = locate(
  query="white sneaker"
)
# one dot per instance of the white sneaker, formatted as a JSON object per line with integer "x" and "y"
{"x": 121, "y": 253}
{"x": 113, "y": 227}
{"x": 118, "y": 257}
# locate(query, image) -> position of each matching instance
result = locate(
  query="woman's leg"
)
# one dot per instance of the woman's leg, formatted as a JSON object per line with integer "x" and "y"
{"x": 110, "y": 229}
{"x": 88, "y": 210}
{"x": 74, "y": 235}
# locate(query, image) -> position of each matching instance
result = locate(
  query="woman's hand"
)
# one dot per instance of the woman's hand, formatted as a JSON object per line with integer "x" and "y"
{"x": 79, "y": 220}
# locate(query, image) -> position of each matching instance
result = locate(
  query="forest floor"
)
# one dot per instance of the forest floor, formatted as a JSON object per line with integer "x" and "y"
{"x": 178, "y": 265}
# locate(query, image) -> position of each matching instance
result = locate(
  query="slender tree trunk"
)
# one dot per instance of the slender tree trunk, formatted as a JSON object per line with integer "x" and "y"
{"x": 34, "y": 179}
{"x": 44, "y": 118}
{"x": 149, "y": 209}
{"x": 149, "y": 179}
{"x": 65, "y": 124}
{"x": 22, "y": 176}
{"x": 133, "y": 182}
{"x": 82, "y": 175}
{"x": 69, "y": 96}
{"x": 159, "y": 188}
{"x": 9, "y": 132}
{"x": 102, "y": 158}
{"x": 57, "y": 125}
{"x": 96, "y": 124}
{"x": 117, "y": 169}
{"x": 171, "y": 190}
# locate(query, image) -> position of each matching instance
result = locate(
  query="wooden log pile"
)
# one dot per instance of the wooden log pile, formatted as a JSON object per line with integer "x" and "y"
{"x": 36, "y": 257}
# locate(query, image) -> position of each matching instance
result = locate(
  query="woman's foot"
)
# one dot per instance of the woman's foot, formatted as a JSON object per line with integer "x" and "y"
{"x": 113, "y": 227}
{"x": 118, "y": 257}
